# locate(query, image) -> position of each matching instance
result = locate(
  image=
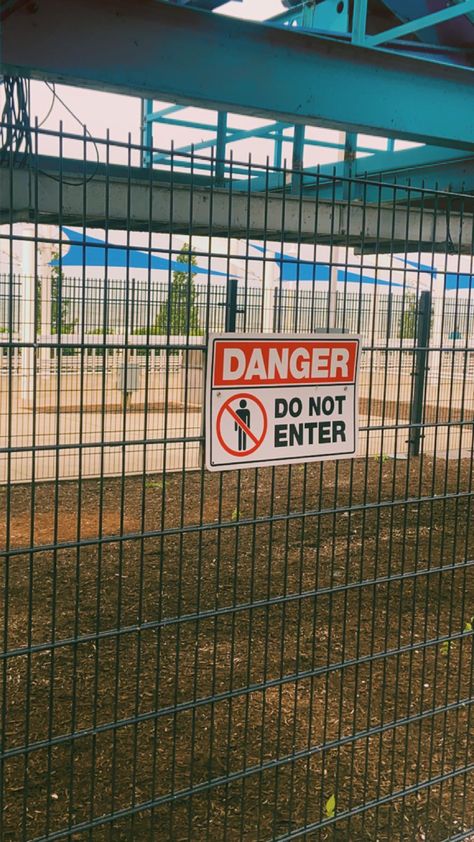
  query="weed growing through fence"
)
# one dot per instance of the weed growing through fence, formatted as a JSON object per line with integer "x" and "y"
{"x": 331, "y": 807}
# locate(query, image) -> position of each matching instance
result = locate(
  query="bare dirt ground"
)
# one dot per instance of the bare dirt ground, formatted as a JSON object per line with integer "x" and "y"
{"x": 271, "y": 575}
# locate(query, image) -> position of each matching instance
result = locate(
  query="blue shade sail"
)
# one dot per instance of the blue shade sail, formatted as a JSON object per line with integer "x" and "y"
{"x": 357, "y": 278}
{"x": 452, "y": 280}
{"x": 91, "y": 251}
{"x": 293, "y": 269}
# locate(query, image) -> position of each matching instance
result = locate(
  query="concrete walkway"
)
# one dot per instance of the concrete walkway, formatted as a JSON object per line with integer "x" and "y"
{"x": 46, "y": 445}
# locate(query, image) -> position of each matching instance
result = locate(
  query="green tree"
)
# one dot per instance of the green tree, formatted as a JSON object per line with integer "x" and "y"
{"x": 408, "y": 325}
{"x": 61, "y": 321}
{"x": 60, "y": 307}
{"x": 179, "y": 315}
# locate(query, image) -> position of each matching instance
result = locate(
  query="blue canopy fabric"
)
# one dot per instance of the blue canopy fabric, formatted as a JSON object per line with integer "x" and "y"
{"x": 421, "y": 267}
{"x": 293, "y": 269}
{"x": 90, "y": 251}
{"x": 357, "y": 278}
{"x": 452, "y": 280}
{"x": 458, "y": 280}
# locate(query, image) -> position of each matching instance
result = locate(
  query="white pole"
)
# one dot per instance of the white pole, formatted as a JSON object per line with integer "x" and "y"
{"x": 332, "y": 297}
{"x": 338, "y": 257}
{"x": 435, "y": 357}
{"x": 27, "y": 312}
{"x": 45, "y": 251}
{"x": 271, "y": 284}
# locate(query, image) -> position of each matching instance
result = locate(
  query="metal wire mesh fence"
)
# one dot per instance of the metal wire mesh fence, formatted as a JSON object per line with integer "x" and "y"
{"x": 277, "y": 653}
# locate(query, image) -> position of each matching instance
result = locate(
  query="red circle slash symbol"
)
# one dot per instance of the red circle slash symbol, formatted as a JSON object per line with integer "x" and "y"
{"x": 244, "y": 409}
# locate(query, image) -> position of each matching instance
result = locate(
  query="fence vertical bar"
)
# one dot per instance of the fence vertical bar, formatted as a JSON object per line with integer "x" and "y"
{"x": 231, "y": 305}
{"x": 420, "y": 371}
{"x": 220, "y": 146}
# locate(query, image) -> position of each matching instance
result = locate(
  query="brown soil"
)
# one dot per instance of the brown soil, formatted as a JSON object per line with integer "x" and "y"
{"x": 135, "y": 555}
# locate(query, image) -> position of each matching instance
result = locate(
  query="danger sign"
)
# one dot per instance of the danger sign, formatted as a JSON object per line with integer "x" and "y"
{"x": 279, "y": 399}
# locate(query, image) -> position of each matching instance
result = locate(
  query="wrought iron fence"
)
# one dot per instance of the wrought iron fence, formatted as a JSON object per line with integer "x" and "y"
{"x": 385, "y": 315}
{"x": 278, "y": 653}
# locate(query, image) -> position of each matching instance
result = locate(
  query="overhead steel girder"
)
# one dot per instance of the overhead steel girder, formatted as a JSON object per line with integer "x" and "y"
{"x": 432, "y": 168}
{"x": 67, "y": 192}
{"x": 153, "y": 49}
{"x": 435, "y": 168}
{"x": 422, "y": 162}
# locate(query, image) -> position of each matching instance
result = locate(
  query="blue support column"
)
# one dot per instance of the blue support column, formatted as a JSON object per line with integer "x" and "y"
{"x": 278, "y": 149}
{"x": 359, "y": 21}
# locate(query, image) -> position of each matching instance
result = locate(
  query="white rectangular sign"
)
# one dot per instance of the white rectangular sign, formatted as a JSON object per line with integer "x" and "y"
{"x": 277, "y": 399}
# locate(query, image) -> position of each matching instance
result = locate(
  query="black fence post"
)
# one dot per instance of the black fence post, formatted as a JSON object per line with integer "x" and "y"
{"x": 420, "y": 370}
{"x": 231, "y": 305}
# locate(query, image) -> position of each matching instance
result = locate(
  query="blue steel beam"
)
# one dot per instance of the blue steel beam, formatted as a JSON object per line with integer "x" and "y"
{"x": 186, "y": 124}
{"x": 232, "y": 136}
{"x": 271, "y": 131}
{"x": 192, "y": 57}
{"x": 423, "y": 165}
{"x": 404, "y": 162}
{"x": 432, "y": 172}
{"x": 456, "y": 176}
{"x": 163, "y": 112}
{"x": 417, "y": 25}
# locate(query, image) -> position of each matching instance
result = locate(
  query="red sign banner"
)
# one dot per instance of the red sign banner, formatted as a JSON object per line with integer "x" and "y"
{"x": 284, "y": 362}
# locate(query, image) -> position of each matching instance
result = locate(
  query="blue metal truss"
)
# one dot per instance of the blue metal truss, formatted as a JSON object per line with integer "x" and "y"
{"x": 287, "y": 69}
{"x": 429, "y": 167}
{"x": 420, "y": 167}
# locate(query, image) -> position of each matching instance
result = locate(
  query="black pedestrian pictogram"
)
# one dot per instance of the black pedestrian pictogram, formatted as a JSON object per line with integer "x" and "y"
{"x": 244, "y": 415}
{"x": 248, "y": 424}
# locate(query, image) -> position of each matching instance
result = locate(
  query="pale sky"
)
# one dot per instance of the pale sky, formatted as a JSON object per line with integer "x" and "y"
{"x": 252, "y": 9}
